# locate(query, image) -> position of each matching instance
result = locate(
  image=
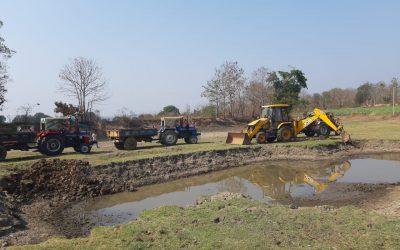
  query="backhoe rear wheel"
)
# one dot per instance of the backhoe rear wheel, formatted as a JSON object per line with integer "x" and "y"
{"x": 323, "y": 130}
{"x": 130, "y": 143}
{"x": 309, "y": 133}
{"x": 285, "y": 134}
{"x": 261, "y": 137}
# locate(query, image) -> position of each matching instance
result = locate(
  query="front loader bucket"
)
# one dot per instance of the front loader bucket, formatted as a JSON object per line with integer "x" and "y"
{"x": 238, "y": 138}
{"x": 345, "y": 137}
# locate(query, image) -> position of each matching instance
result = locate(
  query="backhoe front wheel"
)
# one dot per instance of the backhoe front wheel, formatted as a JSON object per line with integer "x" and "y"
{"x": 285, "y": 134}
{"x": 261, "y": 137}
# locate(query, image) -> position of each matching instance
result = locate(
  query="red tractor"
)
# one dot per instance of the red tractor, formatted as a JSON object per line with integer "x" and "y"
{"x": 59, "y": 133}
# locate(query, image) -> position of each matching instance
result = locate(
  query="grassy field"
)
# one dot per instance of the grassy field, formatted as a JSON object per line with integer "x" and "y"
{"x": 388, "y": 129}
{"x": 242, "y": 224}
{"x": 383, "y": 110}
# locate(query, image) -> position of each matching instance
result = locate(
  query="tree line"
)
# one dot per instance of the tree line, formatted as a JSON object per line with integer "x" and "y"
{"x": 231, "y": 94}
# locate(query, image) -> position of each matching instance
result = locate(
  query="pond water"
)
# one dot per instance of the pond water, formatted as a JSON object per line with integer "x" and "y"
{"x": 269, "y": 182}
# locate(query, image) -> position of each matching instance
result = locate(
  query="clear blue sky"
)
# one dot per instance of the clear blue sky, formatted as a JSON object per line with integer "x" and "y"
{"x": 155, "y": 53}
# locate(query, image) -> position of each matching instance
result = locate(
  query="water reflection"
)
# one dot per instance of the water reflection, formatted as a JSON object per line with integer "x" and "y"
{"x": 278, "y": 182}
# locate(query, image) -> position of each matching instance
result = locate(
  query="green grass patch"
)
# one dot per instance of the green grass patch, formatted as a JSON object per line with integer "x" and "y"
{"x": 242, "y": 224}
{"x": 382, "y": 110}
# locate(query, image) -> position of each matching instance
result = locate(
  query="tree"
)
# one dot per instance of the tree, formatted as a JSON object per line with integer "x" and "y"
{"x": 83, "y": 80}
{"x": 288, "y": 85}
{"x": 259, "y": 91}
{"x": 364, "y": 95}
{"x": 2, "y": 119}
{"x": 170, "y": 110}
{"x": 5, "y": 54}
{"x": 226, "y": 88}
{"x": 65, "y": 109}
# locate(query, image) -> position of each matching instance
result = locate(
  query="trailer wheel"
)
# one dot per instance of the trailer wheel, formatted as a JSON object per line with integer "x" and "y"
{"x": 77, "y": 149}
{"x": 285, "y": 134}
{"x": 52, "y": 145}
{"x": 119, "y": 145}
{"x": 169, "y": 138}
{"x": 3, "y": 153}
{"x": 192, "y": 139}
{"x": 130, "y": 143}
{"x": 85, "y": 148}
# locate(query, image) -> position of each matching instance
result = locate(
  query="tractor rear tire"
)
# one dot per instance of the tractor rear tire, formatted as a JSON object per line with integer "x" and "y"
{"x": 85, "y": 148}
{"x": 52, "y": 145}
{"x": 119, "y": 146}
{"x": 169, "y": 138}
{"x": 192, "y": 139}
{"x": 323, "y": 130}
{"x": 3, "y": 153}
{"x": 261, "y": 137}
{"x": 285, "y": 134}
{"x": 130, "y": 143}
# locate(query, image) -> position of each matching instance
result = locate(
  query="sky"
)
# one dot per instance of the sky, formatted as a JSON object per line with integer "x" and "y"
{"x": 156, "y": 53}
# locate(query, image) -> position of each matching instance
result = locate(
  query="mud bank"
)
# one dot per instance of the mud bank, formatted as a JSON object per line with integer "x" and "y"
{"x": 46, "y": 190}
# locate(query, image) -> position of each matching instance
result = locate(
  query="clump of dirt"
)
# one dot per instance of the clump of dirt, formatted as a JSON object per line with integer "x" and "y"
{"x": 67, "y": 180}
{"x": 9, "y": 218}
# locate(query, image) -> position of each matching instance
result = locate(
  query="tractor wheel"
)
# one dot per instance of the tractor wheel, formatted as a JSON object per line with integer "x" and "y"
{"x": 77, "y": 149}
{"x": 3, "y": 153}
{"x": 271, "y": 139}
{"x": 309, "y": 133}
{"x": 261, "y": 137}
{"x": 323, "y": 130}
{"x": 285, "y": 134}
{"x": 52, "y": 145}
{"x": 85, "y": 148}
{"x": 119, "y": 146}
{"x": 191, "y": 139}
{"x": 130, "y": 143}
{"x": 169, "y": 138}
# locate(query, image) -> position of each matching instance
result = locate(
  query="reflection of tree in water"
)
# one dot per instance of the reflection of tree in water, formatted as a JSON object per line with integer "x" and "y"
{"x": 233, "y": 184}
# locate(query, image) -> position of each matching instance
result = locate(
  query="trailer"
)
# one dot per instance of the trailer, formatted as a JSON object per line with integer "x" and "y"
{"x": 127, "y": 139}
{"x": 16, "y": 141}
{"x": 171, "y": 129}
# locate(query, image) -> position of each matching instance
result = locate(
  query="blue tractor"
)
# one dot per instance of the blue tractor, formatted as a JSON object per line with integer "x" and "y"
{"x": 178, "y": 127}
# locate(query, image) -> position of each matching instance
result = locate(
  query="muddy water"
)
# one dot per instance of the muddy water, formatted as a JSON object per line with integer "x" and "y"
{"x": 271, "y": 182}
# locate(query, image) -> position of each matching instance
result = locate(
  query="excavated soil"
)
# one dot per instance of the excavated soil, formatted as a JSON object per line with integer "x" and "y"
{"x": 40, "y": 199}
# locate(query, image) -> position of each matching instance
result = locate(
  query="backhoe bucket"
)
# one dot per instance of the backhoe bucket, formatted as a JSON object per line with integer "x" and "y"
{"x": 345, "y": 137}
{"x": 238, "y": 138}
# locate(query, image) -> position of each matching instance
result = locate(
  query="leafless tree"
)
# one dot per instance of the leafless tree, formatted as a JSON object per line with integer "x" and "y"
{"x": 82, "y": 79}
{"x": 259, "y": 91}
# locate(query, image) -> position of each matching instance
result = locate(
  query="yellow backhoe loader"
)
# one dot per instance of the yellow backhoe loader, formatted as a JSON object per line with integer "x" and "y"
{"x": 276, "y": 124}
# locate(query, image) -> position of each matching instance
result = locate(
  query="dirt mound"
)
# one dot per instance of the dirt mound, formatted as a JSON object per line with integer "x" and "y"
{"x": 64, "y": 179}
{"x": 9, "y": 219}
